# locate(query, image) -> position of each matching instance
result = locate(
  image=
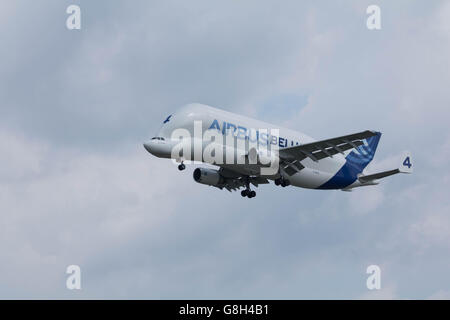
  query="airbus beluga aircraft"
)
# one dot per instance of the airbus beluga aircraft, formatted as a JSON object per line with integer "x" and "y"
{"x": 261, "y": 152}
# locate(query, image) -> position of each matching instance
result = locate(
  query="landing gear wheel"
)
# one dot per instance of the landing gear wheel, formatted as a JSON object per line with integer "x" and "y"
{"x": 282, "y": 182}
{"x": 181, "y": 167}
{"x": 247, "y": 192}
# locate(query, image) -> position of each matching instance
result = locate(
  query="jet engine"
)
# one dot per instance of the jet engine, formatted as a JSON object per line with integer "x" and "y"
{"x": 209, "y": 177}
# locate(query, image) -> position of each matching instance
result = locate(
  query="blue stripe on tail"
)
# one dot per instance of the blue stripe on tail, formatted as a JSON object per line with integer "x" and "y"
{"x": 355, "y": 163}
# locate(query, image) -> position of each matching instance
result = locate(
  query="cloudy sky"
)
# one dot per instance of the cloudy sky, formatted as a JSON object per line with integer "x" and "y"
{"x": 77, "y": 187}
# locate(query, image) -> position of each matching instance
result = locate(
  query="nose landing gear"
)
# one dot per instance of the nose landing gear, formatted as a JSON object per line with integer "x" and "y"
{"x": 181, "y": 167}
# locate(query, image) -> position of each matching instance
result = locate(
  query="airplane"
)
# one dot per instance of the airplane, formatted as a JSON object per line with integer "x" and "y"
{"x": 301, "y": 161}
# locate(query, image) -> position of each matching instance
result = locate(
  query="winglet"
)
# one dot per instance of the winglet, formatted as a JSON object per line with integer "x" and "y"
{"x": 406, "y": 165}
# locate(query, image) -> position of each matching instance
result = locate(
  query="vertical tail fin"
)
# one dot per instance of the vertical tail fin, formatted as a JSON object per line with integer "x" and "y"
{"x": 362, "y": 155}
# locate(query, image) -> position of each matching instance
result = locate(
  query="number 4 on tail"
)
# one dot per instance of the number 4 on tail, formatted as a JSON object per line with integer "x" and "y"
{"x": 407, "y": 163}
{"x": 406, "y": 166}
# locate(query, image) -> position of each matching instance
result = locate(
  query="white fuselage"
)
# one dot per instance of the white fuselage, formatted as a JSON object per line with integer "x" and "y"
{"x": 314, "y": 175}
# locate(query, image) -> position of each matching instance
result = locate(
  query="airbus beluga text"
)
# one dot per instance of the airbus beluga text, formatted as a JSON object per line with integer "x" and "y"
{"x": 250, "y": 152}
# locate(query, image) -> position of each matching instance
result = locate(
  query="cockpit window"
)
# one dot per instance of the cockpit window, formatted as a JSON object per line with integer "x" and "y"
{"x": 158, "y": 138}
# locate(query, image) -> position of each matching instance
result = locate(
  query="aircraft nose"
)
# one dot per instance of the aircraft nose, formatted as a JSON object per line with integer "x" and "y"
{"x": 159, "y": 148}
{"x": 147, "y": 147}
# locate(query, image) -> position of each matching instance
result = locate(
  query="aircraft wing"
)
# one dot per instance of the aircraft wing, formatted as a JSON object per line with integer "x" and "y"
{"x": 237, "y": 183}
{"x": 233, "y": 181}
{"x": 325, "y": 148}
{"x": 290, "y": 157}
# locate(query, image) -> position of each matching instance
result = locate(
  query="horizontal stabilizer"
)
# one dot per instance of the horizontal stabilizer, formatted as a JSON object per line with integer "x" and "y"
{"x": 405, "y": 167}
{"x": 378, "y": 175}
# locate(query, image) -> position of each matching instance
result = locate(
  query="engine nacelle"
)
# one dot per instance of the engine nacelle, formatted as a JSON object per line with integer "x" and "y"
{"x": 209, "y": 177}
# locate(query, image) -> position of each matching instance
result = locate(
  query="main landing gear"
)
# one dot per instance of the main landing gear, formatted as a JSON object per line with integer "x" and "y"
{"x": 248, "y": 193}
{"x": 282, "y": 182}
{"x": 181, "y": 167}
